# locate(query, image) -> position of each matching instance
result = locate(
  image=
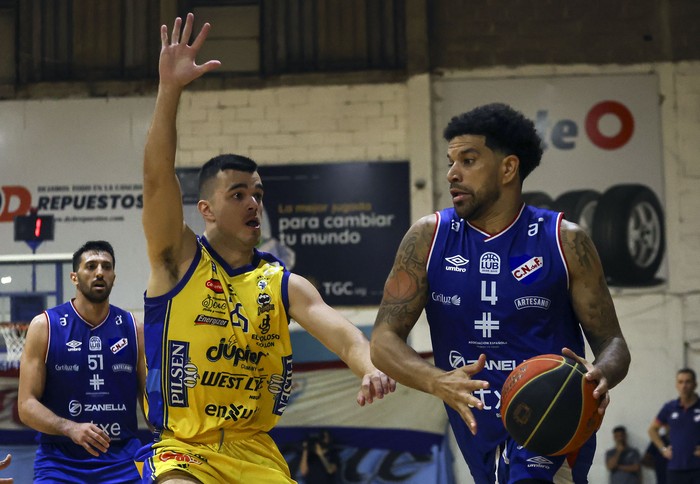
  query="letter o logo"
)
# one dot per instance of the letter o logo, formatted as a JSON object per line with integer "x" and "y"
{"x": 626, "y": 125}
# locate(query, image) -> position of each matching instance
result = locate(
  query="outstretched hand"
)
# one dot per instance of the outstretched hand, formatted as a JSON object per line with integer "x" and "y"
{"x": 594, "y": 374}
{"x": 456, "y": 389}
{"x": 374, "y": 385}
{"x": 177, "y": 65}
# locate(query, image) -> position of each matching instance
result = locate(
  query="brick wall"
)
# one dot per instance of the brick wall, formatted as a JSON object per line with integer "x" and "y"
{"x": 295, "y": 124}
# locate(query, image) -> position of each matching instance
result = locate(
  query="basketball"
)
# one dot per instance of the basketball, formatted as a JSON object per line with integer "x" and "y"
{"x": 547, "y": 405}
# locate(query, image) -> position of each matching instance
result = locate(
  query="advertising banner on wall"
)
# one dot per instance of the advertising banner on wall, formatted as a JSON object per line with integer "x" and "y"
{"x": 602, "y": 162}
{"x": 334, "y": 224}
{"x": 337, "y": 224}
{"x": 80, "y": 161}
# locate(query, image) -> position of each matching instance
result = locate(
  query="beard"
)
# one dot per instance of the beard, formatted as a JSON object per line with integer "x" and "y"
{"x": 477, "y": 205}
{"x": 92, "y": 295}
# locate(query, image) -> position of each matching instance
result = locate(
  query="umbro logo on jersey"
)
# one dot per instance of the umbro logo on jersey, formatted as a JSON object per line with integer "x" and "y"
{"x": 74, "y": 345}
{"x": 540, "y": 460}
{"x": 457, "y": 262}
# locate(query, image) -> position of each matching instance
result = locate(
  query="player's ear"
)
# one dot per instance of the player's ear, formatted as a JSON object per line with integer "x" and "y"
{"x": 204, "y": 207}
{"x": 509, "y": 167}
{"x": 74, "y": 278}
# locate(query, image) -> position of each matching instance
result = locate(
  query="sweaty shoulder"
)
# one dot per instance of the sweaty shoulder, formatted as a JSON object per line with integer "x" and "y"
{"x": 578, "y": 247}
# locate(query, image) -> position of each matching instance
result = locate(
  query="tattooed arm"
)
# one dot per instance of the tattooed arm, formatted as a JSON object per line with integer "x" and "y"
{"x": 405, "y": 295}
{"x": 594, "y": 309}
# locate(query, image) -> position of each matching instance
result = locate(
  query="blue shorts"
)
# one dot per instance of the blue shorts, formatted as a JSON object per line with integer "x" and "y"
{"x": 517, "y": 463}
{"x": 70, "y": 463}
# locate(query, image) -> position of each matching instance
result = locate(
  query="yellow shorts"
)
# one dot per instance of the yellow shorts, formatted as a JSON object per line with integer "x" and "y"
{"x": 255, "y": 459}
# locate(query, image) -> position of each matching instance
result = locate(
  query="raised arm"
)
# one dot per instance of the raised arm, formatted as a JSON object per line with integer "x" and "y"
{"x": 171, "y": 245}
{"x": 32, "y": 380}
{"x": 339, "y": 335}
{"x": 405, "y": 295}
{"x": 594, "y": 309}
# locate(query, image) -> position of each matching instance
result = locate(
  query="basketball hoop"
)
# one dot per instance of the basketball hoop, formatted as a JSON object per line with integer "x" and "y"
{"x": 14, "y": 335}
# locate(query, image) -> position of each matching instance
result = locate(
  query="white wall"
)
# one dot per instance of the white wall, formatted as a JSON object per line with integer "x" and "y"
{"x": 71, "y": 140}
{"x": 661, "y": 324}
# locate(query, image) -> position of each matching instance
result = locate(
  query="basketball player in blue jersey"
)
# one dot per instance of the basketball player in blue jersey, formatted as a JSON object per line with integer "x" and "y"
{"x": 82, "y": 372}
{"x": 500, "y": 282}
{"x": 217, "y": 310}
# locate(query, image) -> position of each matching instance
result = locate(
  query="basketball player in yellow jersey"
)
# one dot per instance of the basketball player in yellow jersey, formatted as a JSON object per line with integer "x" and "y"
{"x": 217, "y": 310}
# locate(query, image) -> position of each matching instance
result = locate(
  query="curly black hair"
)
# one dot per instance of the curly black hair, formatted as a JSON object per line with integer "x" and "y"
{"x": 506, "y": 130}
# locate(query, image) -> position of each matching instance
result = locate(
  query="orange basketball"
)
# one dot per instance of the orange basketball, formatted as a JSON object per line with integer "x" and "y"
{"x": 547, "y": 405}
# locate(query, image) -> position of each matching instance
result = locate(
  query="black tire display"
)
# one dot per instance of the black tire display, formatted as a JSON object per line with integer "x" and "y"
{"x": 538, "y": 199}
{"x": 628, "y": 231}
{"x": 579, "y": 207}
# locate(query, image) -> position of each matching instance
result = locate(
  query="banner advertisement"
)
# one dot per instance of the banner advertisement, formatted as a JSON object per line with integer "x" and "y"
{"x": 602, "y": 162}
{"x": 335, "y": 224}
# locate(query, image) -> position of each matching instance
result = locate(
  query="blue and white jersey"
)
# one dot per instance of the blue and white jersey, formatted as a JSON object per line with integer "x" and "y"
{"x": 683, "y": 433}
{"x": 91, "y": 372}
{"x": 505, "y": 295}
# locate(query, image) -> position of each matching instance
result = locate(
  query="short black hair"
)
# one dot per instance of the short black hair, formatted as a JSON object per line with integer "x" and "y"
{"x": 505, "y": 129}
{"x": 90, "y": 246}
{"x": 689, "y": 371}
{"x": 620, "y": 428}
{"x": 223, "y": 162}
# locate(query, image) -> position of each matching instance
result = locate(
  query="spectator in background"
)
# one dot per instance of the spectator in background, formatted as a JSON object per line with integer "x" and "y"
{"x": 681, "y": 418}
{"x": 623, "y": 461}
{"x": 653, "y": 459}
{"x": 319, "y": 460}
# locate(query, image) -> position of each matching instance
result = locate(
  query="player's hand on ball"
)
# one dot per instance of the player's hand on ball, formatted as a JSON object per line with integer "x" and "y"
{"x": 594, "y": 374}
{"x": 456, "y": 388}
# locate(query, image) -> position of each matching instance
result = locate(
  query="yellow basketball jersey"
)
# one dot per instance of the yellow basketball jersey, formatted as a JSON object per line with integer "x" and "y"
{"x": 218, "y": 349}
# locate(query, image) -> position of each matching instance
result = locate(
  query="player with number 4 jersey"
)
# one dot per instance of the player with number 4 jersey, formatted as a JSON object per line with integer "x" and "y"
{"x": 500, "y": 282}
